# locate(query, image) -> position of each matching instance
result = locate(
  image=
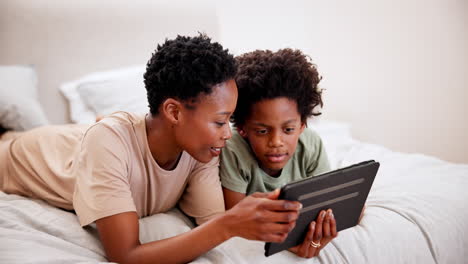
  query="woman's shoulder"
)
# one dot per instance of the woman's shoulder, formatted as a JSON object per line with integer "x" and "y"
{"x": 119, "y": 123}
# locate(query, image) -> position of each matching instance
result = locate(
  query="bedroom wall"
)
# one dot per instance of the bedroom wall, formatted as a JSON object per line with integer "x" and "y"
{"x": 65, "y": 40}
{"x": 396, "y": 70}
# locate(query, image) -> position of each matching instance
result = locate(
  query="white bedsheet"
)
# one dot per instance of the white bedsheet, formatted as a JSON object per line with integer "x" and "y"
{"x": 416, "y": 213}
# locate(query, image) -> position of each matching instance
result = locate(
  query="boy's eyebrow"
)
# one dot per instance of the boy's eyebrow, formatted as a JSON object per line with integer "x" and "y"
{"x": 260, "y": 124}
{"x": 224, "y": 113}
{"x": 265, "y": 125}
{"x": 290, "y": 121}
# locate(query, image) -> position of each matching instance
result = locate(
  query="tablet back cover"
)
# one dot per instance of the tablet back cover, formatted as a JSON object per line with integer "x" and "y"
{"x": 344, "y": 191}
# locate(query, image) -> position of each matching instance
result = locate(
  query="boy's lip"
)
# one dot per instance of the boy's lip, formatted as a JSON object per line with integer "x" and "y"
{"x": 275, "y": 158}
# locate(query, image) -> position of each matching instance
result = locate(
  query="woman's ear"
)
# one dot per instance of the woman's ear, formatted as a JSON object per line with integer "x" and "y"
{"x": 171, "y": 110}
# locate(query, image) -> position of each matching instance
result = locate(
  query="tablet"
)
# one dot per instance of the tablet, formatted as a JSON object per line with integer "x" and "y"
{"x": 344, "y": 191}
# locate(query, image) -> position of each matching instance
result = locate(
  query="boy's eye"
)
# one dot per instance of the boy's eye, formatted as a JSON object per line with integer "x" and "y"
{"x": 289, "y": 129}
{"x": 220, "y": 124}
{"x": 262, "y": 131}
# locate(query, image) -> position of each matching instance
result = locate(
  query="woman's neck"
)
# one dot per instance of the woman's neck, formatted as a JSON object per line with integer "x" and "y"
{"x": 162, "y": 143}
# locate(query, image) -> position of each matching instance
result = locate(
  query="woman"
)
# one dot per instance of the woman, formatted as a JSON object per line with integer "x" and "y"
{"x": 128, "y": 166}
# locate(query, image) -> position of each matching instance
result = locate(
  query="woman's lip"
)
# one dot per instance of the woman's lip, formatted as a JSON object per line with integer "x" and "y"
{"x": 215, "y": 151}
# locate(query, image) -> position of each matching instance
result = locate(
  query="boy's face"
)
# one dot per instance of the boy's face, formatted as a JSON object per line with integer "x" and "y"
{"x": 205, "y": 128}
{"x": 272, "y": 130}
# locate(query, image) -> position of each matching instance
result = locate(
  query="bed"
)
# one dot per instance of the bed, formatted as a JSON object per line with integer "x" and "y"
{"x": 415, "y": 212}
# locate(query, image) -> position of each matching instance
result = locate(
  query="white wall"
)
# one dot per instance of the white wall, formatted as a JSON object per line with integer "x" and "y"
{"x": 65, "y": 40}
{"x": 396, "y": 70}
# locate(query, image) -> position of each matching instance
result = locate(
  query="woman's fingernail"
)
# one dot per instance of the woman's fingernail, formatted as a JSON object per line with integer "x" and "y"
{"x": 323, "y": 214}
{"x": 292, "y": 206}
{"x": 313, "y": 224}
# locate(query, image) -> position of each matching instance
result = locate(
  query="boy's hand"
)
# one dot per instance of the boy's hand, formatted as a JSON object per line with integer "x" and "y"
{"x": 320, "y": 233}
{"x": 261, "y": 216}
{"x": 362, "y": 214}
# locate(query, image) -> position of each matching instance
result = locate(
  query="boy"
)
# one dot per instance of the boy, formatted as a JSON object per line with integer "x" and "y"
{"x": 271, "y": 147}
{"x": 128, "y": 166}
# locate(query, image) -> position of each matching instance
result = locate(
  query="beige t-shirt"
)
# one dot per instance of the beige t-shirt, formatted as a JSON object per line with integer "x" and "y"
{"x": 107, "y": 169}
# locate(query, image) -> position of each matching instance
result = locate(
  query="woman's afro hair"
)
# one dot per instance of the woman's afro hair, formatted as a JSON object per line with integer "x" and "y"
{"x": 185, "y": 68}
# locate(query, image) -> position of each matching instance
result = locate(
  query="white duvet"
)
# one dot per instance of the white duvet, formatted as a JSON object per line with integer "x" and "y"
{"x": 416, "y": 212}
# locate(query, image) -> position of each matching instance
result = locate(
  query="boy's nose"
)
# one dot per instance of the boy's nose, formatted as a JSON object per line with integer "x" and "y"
{"x": 275, "y": 140}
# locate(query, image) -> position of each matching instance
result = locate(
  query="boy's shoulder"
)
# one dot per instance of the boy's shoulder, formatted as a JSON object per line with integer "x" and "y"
{"x": 310, "y": 136}
{"x": 236, "y": 147}
{"x": 309, "y": 144}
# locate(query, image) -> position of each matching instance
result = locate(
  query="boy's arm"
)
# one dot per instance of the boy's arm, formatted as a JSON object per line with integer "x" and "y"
{"x": 231, "y": 198}
{"x": 259, "y": 216}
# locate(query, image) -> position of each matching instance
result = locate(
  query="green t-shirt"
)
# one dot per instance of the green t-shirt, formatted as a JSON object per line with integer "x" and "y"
{"x": 239, "y": 170}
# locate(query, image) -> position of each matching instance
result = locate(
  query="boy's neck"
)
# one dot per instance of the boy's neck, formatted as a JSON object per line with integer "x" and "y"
{"x": 272, "y": 173}
{"x": 161, "y": 142}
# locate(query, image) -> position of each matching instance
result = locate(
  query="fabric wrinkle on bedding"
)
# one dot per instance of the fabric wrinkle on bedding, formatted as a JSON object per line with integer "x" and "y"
{"x": 415, "y": 213}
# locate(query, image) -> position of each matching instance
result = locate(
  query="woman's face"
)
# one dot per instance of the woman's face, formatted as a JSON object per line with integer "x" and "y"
{"x": 204, "y": 128}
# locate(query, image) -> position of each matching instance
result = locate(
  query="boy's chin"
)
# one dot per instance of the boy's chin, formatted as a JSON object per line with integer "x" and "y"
{"x": 273, "y": 170}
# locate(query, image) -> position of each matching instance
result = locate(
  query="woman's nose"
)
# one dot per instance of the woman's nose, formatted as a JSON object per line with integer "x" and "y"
{"x": 227, "y": 133}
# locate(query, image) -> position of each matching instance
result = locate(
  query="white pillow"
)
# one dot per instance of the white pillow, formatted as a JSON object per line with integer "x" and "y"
{"x": 102, "y": 93}
{"x": 336, "y": 136}
{"x": 19, "y": 105}
{"x": 330, "y": 129}
{"x": 127, "y": 93}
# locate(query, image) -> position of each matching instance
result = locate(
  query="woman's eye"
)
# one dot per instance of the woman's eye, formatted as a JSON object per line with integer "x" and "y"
{"x": 289, "y": 130}
{"x": 220, "y": 124}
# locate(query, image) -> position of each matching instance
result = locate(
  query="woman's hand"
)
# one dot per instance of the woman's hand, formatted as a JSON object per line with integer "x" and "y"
{"x": 320, "y": 233}
{"x": 261, "y": 216}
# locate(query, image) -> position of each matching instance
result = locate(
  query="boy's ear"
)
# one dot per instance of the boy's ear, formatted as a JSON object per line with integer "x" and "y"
{"x": 171, "y": 110}
{"x": 241, "y": 131}
{"x": 303, "y": 125}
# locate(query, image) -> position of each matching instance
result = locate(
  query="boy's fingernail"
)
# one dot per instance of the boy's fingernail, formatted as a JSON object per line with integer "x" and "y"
{"x": 300, "y": 206}
{"x": 323, "y": 214}
{"x": 331, "y": 214}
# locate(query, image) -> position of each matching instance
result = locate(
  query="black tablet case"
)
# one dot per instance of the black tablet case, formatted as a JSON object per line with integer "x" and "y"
{"x": 344, "y": 191}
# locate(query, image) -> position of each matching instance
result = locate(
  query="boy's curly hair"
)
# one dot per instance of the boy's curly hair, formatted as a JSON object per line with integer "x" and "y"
{"x": 186, "y": 67}
{"x": 263, "y": 74}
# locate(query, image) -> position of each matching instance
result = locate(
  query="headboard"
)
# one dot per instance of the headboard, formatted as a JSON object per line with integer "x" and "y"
{"x": 65, "y": 40}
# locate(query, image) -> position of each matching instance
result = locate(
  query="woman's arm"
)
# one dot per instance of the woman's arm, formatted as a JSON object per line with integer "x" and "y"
{"x": 120, "y": 236}
{"x": 231, "y": 198}
{"x": 259, "y": 216}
